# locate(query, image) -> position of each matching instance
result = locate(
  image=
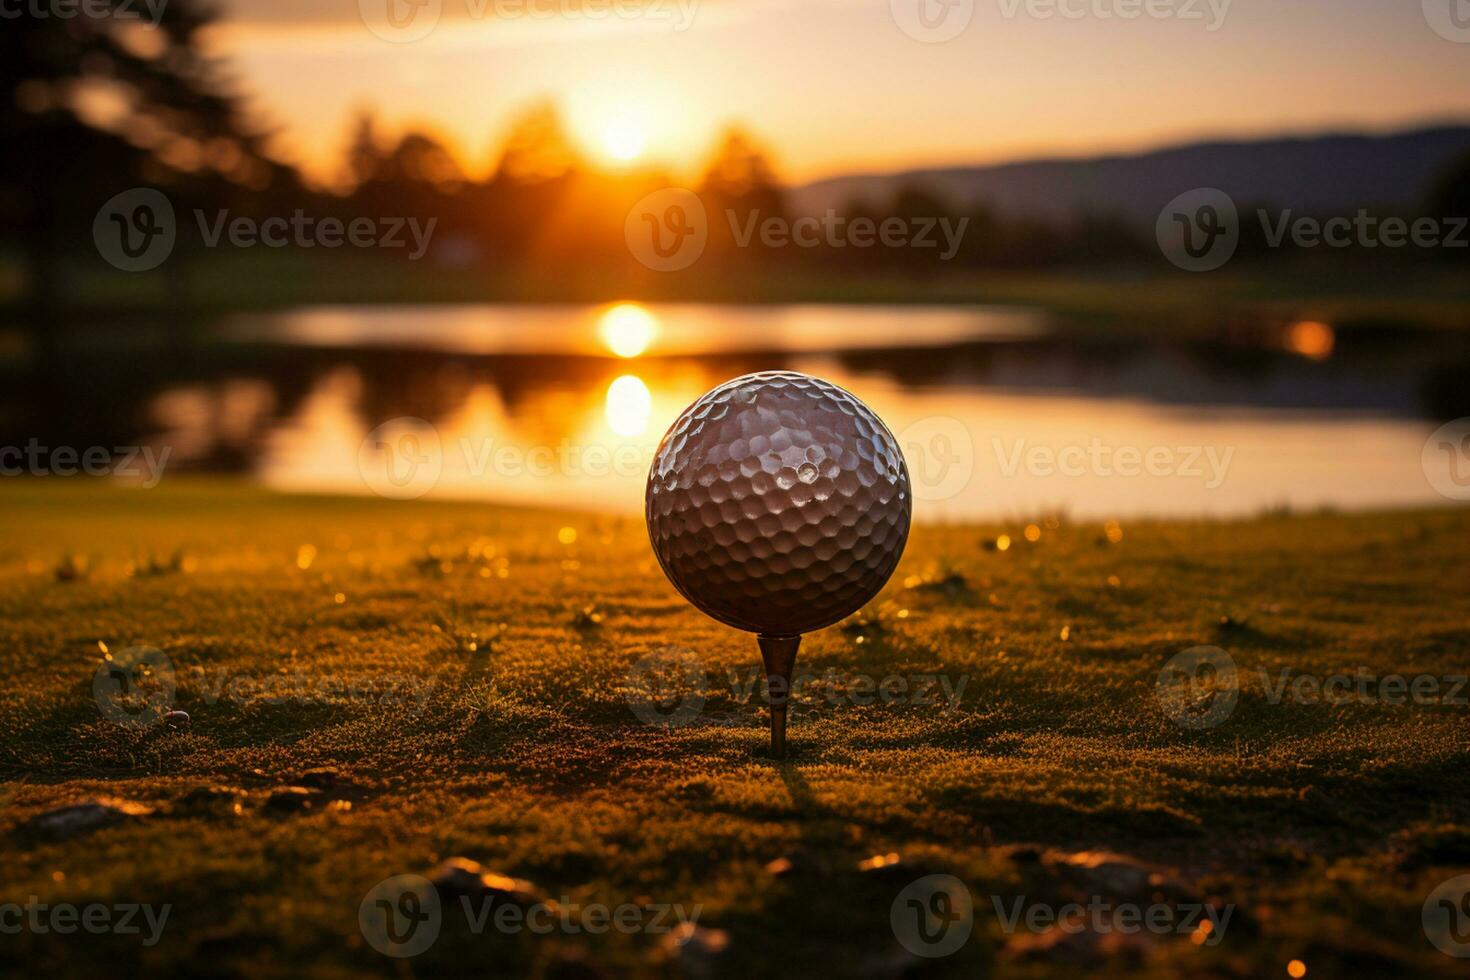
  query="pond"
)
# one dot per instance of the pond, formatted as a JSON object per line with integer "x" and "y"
{"x": 1000, "y": 414}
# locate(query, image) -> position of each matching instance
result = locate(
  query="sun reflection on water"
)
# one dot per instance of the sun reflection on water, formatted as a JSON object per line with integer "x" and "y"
{"x": 581, "y": 430}
{"x": 629, "y": 405}
{"x": 627, "y": 329}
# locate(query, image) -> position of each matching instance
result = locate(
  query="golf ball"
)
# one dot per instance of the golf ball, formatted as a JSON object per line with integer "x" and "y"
{"x": 778, "y": 503}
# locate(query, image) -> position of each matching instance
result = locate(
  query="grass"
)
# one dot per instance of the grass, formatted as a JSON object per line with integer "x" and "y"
{"x": 455, "y": 682}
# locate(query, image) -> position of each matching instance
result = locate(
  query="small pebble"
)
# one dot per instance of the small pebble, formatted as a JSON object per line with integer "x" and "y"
{"x": 880, "y": 862}
{"x": 67, "y": 822}
{"x": 459, "y": 876}
{"x": 293, "y": 799}
{"x": 322, "y": 777}
{"x": 208, "y": 801}
{"x": 696, "y": 948}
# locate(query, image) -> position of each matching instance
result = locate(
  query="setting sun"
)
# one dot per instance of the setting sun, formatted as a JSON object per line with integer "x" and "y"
{"x": 622, "y": 139}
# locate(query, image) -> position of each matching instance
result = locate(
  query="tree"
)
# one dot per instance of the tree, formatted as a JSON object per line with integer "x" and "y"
{"x": 739, "y": 186}
{"x": 537, "y": 148}
{"x": 364, "y": 152}
{"x": 170, "y": 118}
{"x": 1450, "y": 199}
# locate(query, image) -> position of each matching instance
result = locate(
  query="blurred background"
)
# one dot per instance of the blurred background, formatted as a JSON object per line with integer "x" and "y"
{"x": 303, "y": 242}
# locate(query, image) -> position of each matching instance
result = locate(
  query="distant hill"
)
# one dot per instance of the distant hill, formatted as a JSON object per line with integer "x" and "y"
{"x": 1333, "y": 173}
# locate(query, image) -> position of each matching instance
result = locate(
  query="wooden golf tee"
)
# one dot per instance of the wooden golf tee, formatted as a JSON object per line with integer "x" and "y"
{"x": 779, "y": 654}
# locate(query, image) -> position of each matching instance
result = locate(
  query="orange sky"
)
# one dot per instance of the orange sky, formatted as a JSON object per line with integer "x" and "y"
{"x": 837, "y": 85}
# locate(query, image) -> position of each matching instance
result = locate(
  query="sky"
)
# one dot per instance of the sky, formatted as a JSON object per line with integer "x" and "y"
{"x": 842, "y": 86}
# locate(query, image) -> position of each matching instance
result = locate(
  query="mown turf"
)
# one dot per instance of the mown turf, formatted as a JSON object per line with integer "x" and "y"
{"x": 465, "y": 674}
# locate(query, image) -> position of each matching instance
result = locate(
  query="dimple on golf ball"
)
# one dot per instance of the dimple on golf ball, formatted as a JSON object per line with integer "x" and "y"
{"x": 778, "y": 503}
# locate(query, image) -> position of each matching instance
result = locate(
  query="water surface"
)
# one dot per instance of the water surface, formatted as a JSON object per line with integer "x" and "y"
{"x": 998, "y": 415}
